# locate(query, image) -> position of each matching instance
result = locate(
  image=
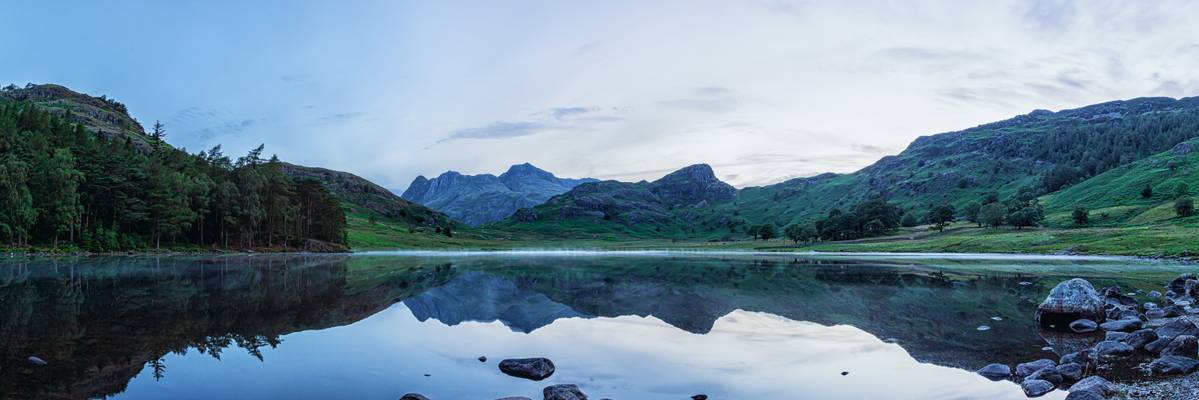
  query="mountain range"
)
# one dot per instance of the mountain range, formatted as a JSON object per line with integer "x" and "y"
{"x": 481, "y": 199}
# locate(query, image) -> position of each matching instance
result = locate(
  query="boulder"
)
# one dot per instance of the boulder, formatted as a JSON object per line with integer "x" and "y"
{"x": 1178, "y": 285}
{"x": 528, "y": 368}
{"x": 1153, "y": 294}
{"x": 1070, "y": 371}
{"x": 1155, "y": 313}
{"x": 1115, "y": 297}
{"x": 1028, "y": 368}
{"x": 1036, "y": 387}
{"x": 699, "y": 397}
{"x": 514, "y": 398}
{"x": 1085, "y": 395}
{"x": 1123, "y": 325}
{"x": 1094, "y": 383}
{"x": 1083, "y": 326}
{"x": 1069, "y": 301}
{"x": 1181, "y": 326}
{"x": 1084, "y": 357}
{"x": 35, "y": 361}
{"x": 1182, "y": 345}
{"x": 995, "y": 372}
{"x": 1140, "y": 338}
{"x": 563, "y": 392}
{"x": 1108, "y": 349}
{"x": 1158, "y": 345}
{"x": 1171, "y": 365}
{"x": 1172, "y": 311}
{"x": 413, "y": 396}
{"x": 1115, "y": 335}
{"x": 1047, "y": 374}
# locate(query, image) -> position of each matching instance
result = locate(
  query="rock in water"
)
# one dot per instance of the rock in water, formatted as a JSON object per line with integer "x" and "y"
{"x": 1070, "y": 371}
{"x": 1108, "y": 349}
{"x": 1047, "y": 374}
{"x": 1182, "y": 345}
{"x": 1036, "y": 387}
{"x": 514, "y": 398}
{"x": 699, "y": 397}
{"x": 995, "y": 372}
{"x": 528, "y": 368}
{"x": 1026, "y": 369}
{"x": 563, "y": 392}
{"x": 35, "y": 361}
{"x": 413, "y": 396}
{"x": 1083, "y": 326}
{"x": 1069, "y": 301}
{"x": 1171, "y": 365}
{"x": 482, "y": 358}
{"x": 1122, "y": 325}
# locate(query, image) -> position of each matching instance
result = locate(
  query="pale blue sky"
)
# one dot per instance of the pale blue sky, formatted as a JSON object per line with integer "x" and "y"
{"x": 762, "y": 90}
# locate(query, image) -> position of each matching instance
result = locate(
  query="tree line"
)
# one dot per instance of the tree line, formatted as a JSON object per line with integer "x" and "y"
{"x": 63, "y": 185}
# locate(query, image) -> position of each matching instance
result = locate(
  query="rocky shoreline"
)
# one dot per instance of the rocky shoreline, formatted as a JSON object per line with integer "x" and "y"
{"x": 1100, "y": 336}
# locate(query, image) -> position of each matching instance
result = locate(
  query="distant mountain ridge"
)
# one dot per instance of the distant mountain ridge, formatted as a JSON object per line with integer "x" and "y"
{"x": 481, "y": 199}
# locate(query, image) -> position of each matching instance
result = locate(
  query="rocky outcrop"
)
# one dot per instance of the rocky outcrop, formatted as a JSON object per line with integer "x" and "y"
{"x": 1070, "y": 301}
{"x": 692, "y": 185}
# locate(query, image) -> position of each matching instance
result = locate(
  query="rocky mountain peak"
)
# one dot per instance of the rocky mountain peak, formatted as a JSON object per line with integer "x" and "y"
{"x": 692, "y": 184}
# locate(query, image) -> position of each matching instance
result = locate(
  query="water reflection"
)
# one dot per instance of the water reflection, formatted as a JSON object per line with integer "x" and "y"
{"x": 624, "y": 327}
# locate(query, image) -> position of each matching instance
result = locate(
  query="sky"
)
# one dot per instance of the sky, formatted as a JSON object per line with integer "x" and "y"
{"x": 763, "y": 91}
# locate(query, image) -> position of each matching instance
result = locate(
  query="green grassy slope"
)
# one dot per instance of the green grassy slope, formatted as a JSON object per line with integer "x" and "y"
{"x": 1114, "y": 197}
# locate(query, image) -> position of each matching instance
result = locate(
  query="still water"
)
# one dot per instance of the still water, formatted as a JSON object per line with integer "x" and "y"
{"x": 655, "y": 325}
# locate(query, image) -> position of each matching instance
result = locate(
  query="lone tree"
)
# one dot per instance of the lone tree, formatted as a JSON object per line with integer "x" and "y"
{"x": 766, "y": 232}
{"x": 908, "y": 220}
{"x": 157, "y": 135}
{"x": 1147, "y": 192}
{"x": 992, "y": 215}
{"x": 972, "y": 211}
{"x": 940, "y": 216}
{"x": 1184, "y": 206}
{"x": 1081, "y": 216}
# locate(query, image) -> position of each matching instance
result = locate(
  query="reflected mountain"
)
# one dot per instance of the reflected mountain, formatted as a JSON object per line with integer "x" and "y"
{"x": 483, "y": 297}
{"x": 99, "y": 322}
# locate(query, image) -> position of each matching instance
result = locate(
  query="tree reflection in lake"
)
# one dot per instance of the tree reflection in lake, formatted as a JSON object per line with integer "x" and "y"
{"x": 100, "y": 322}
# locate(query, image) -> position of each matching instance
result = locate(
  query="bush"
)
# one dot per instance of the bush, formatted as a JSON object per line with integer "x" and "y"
{"x": 1184, "y": 206}
{"x": 1081, "y": 216}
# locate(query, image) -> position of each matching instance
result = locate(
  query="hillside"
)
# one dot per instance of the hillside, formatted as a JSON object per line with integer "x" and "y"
{"x": 1115, "y": 196}
{"x": 102, "y": 115}
{"x": 481, "y": 199}
{"x": 360, "y": 192}
{"x": 667, "y": 207}
{"x": 1043, "y": 151}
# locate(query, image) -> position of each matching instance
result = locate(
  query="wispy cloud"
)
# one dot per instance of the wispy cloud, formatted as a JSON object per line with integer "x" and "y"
{"x": 553, "y": 119}
{"x": 705, "y": 98}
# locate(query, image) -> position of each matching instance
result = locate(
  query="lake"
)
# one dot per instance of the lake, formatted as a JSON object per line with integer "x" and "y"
{"x": 637, "y": 325}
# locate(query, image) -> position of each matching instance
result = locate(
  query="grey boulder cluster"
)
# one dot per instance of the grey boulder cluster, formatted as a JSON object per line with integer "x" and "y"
{"x": 1163, "y": 331}
{"x": 529, "y": 368}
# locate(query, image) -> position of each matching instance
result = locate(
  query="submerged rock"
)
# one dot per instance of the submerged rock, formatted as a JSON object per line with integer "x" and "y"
{"x": 563, "y": 392}
{"x": 528, "y": 368}
{"x": 1085, "y": 395}
{"x": 1171, "y": 365}
{"x": 1028, "y": 368}
{"x": 995, "y": 372}
{"x": 1085, "y": 357}
{"x": 1083, "y": 326}
{"x": 699, "y": 397}
{"x": 413, "y": 396}
{"x": 1036, "y": 387}
{"x": 1069, "y": 301}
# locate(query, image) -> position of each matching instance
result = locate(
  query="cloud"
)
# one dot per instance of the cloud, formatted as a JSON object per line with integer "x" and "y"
{"x": 339, "y": 118}
{"x": 573, "y": 118}
{"x": 706, "y": 99}
{"x": 497, "y": 130}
